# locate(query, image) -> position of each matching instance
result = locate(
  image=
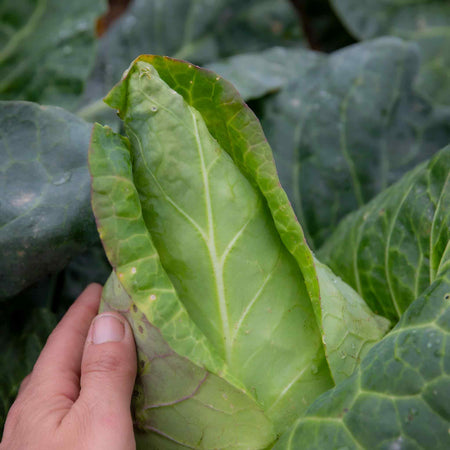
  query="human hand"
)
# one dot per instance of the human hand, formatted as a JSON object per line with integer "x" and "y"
{"x": 79, "y": 392}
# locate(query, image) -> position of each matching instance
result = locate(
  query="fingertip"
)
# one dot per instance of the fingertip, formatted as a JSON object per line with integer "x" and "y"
{"x": 92, "y": 293}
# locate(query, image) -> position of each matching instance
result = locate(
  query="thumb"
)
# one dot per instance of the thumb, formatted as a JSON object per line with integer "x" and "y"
{"x": 108, "y": 371}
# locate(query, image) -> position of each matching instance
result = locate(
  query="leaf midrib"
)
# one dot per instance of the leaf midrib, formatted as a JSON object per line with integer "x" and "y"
{"x": 212, "y": 248}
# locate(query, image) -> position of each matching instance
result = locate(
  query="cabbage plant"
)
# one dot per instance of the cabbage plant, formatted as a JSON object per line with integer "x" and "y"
{"x": 245, "y": 338}
{"x": 238, "y": 326}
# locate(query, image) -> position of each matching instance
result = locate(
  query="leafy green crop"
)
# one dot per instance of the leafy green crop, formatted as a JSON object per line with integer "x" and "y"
{"x": 246, "y": 338}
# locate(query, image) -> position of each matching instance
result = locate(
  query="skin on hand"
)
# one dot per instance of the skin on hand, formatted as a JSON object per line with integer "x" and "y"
{"x": 79, "y": 393}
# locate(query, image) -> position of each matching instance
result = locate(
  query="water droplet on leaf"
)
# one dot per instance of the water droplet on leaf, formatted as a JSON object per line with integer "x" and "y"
{"x": 64, "y": 178}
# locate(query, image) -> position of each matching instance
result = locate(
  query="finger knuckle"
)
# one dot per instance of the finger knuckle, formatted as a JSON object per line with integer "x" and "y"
{"x": 15, "y": 412}
{"x": 105, "y": 362}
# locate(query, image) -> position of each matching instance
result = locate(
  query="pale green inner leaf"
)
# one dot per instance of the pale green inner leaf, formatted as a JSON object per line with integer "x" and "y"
{"x": 208, "y": 223}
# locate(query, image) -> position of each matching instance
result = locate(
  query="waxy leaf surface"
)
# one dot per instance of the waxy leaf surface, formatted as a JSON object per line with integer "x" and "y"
{"x": 399, "y": 242}
{"x": 44, "y": 209}
{"x": 348, "y": 127}
{"x": 398, "y": 397}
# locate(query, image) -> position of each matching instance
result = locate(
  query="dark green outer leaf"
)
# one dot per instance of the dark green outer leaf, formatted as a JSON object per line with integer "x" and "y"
{"x": 398, "y": 398}
{"x": 350, "y": 126}
{"x": 391, "y": 250}
{"x": 367, "y": 19}
{"x": 424, "y": 22}
{"x": 45, "y": 217}
{"x": 47, "y": 49}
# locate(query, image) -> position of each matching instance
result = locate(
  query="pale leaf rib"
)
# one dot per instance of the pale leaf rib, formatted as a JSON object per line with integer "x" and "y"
{"x": 388, "y": 246}
{"x": 236, "y": 237}
{"x": 287, "y": 388}
{"x": 344, "y": 145}
{"x": 443, "y": 260}
{"x": 212, "y": 249}
{"x": 432, "y": 238}
{"x": 255, "y": 298}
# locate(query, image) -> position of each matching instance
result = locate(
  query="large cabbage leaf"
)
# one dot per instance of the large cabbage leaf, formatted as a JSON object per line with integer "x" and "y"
{"x": 44, "y": 211}
{"x": 399, "y": 242}
{"x": 211, "y": 266}
{"x": 349, "y": 126}
{"x": 398, "y": 396}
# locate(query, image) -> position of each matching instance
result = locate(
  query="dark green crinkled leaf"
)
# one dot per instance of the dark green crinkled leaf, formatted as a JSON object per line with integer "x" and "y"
{"x": 391, "y": 250}
{"x": 47, "y": 49}
{"x": 197, "y": 30}
{"x": 350, "y": 126}
{"x": 45, "y": 217}
{"x": 399, "y": 396}
{"x": 424, "y": 22}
